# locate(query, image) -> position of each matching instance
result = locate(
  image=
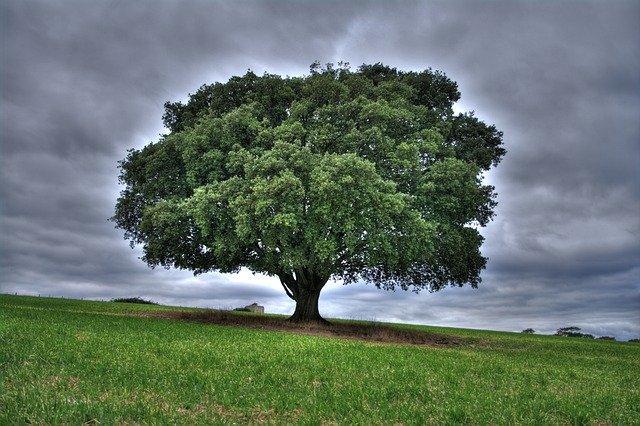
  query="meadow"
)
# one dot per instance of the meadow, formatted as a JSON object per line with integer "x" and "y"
{"x": 73, "y": 362}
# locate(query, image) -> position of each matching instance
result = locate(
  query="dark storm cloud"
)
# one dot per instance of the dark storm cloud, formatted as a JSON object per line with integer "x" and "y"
{"x": 83, "y": 81}
{"x": 561, "y": 80}
{"x": 80, "y": 84}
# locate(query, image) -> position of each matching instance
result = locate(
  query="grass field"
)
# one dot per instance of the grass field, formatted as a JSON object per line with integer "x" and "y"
{"x": 74, "y": 362}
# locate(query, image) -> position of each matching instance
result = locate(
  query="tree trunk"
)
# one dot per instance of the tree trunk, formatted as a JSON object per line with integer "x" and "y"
{"x": 307, "y": 307}
{"x": 304, "y": 287}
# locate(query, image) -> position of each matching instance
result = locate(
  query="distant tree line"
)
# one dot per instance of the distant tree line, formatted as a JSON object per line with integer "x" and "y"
{"x": 575, "y": 332}
{"x": 572, "y": 332}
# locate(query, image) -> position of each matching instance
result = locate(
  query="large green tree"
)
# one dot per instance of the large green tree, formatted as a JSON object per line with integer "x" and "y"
{"x": 363, "y": 175}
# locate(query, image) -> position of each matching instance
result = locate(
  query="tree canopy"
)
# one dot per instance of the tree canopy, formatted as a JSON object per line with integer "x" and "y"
{"x": 363, "y": 175}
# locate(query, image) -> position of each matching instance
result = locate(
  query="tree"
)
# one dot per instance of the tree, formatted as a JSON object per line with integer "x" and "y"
{"x": 572, "y": 332}
{"x": 363, "y": 175}
{"x": 528, "y": 331}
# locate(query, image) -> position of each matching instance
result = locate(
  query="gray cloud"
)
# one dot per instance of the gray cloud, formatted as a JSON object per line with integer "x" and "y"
{"x": 81, "y": 82}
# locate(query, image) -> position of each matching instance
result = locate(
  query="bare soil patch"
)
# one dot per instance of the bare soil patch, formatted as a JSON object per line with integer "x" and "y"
{"x": 373, "y": 332}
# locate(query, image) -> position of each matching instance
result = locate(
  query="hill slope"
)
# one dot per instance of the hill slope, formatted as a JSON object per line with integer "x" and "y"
{"x": 76, "y": 361}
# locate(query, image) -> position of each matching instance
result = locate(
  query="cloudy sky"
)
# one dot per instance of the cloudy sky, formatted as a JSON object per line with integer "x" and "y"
{"x": 81, "y": 82}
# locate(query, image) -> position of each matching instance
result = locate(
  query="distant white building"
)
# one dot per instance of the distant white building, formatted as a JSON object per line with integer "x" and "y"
{"x": 255, "y": 308}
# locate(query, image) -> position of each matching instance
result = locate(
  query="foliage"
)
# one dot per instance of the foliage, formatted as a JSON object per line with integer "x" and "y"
{"x": 365, "y": 175}
{"x": 572, "y": 332}
{"x": 134, "y": 300}
{"x": 528, "y": 331}
{"x": 605, "y": 338}
{"x": 75, "y": 362}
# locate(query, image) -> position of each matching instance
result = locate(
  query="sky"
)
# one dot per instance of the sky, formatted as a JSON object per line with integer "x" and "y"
{"x": 82, "y": 82}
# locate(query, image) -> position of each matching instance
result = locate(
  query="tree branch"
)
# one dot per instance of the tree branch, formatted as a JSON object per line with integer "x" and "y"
{"x": 289, "y": 284}
{"x": 286, "y": 290}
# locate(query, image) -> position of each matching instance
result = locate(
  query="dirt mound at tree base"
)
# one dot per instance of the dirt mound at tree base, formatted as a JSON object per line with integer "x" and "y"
{"x": 368, "y": 332}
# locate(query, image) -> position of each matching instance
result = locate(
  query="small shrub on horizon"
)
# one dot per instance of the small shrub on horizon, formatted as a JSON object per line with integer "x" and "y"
{"x": 528, "y": 331}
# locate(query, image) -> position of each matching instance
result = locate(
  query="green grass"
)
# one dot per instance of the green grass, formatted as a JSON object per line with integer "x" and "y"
{"x": 70, "y": 361}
